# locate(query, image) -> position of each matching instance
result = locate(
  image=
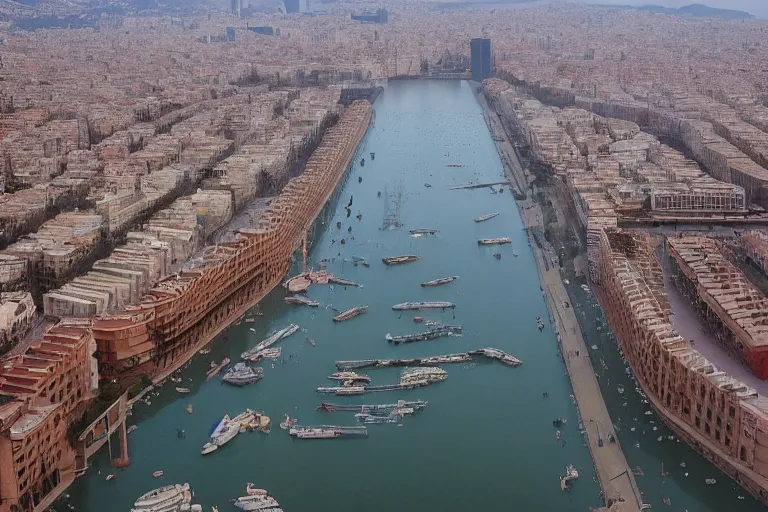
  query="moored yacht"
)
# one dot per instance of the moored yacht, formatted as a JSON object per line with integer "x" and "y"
{"x": 241, "y": 375}
{"x": 170, "y": 498}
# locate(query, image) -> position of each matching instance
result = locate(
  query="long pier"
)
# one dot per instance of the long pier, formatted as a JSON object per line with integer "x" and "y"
{"x": 462, "y": 357}
{"x": 616, "y": 479}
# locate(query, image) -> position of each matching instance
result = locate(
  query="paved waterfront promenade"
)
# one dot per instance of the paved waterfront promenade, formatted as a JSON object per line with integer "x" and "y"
{"x": 616, "y": 478}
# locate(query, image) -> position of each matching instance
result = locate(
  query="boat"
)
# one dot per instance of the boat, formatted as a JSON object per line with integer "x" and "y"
{"x": 350, "y": 313}
{"x": 488, "y": 216}
{"x": 438, "y": 282}
{"x": 183, "y": 390}
{"x": 423, "y": 375}
{"x": 418, "y": 232}
{"x": 288, "y": 422}
{"x": 350, "y": 377}
{"x": 158, "y": 473}
{"x": 267, "y": 353}
{"x": 370, "y": 419}
{"x": 327, "y": 432}
{"x": 216, "y": 368}
{"x": 570, "y": 474}
{"x": 375, "y": 409}
{"x": 404, "y": 306}
{"x": 301, "y": 300}
{"x": 224, "y": 432}
{"x": 271, "y": 340}
{"x": 241, "y": 375}
{"x": 494, "y": 241}
{"x": 359, "y": 260}
{"x": 257, "y": 502}
{"x": 445, "y": 330}
{"x": 310, "y": 341}
{"x": 170, "y": 498}
{"x": 499, "y": 355}
{"x": 132, "y": 428}
{"x": 251, "y": 490}
{"x": 373, "y": 156}
{"x": 110, "y": 477}
{"x": 398, "y": 260}
{"x": 204, "y": 351}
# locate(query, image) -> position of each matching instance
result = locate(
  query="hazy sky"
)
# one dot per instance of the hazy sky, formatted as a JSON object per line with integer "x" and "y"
{"x": 756, "y": 7}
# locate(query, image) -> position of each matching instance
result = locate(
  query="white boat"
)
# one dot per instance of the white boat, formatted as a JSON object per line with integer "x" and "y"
{"x": 182, "y": 390}
{"x": 271, "y": 340}
{"x": 494, "y": 241}
{"x": 256, "y": 502}
{"x": 404, "y": 306}
{"x": 170, "y": 498}
{"x": 224, "y": 432}
{"x": 242, "y": 375}
{"x": 488, "y": 216}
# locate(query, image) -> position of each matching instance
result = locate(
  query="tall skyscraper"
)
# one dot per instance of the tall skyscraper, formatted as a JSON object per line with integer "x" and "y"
{"x": 480, "y": 52}
{"x": 291, "y": 6}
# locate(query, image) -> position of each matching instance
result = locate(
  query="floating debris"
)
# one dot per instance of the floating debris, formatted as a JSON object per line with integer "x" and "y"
{"x": 405, "y": 306}
{"x": 446, "y": 330}
{"x": 440, "y": 281}
{"x": 350, "y": 313}
{"x": 497, "y": 255}
{"x": 399, "y": 260}
{"x": 494, "y": 241}
{"x": 488, "y": 216}
{"x": 301, "y": 300}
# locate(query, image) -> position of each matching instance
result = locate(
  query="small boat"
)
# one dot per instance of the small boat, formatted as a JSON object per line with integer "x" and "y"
{"x": 288, "y": 422}
{"x": 418, "y": 319}
{"x": 132, "y": 428}
{"x": 183, "y": 390}
{"x": 570, "y": 474}
{"x": 301, "y": 300}
{"x": 398, "y": 260}
{"x": 404, "y": 306}
{"x": 350, "y": 313}
{"x": 442, "y": 280}
{"x": 373, "y": 156}
{"x": 110, "y": 477}
{"x": 158, "y": 473}
{"x": 267, "y": 353}
{"x": 242, "y": 375}
{"x": 423, "y": 231}
{"x": 204, "y": 351}
{"x": 310, "y": 341}
{"x": 257, "y": 502}
{"x": 489, "y": 216}
{"x": 710, "y": 481}
{"x": 362, "y": 162}
{"x": 515, "y": 253}
{"x": 190, "y": 410}
{"x": 216, "y": 368}
{"x": 494, "y": 241}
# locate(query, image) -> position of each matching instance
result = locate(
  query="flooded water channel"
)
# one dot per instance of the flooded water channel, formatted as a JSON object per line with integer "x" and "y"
{"x": 486, "y": 440}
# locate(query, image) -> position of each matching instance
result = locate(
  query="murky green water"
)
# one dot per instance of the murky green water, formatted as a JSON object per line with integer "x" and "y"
{"x": 486, "y": 440}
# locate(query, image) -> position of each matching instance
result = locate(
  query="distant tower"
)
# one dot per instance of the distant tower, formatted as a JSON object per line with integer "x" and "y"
{"x": 303, "y": 5}
{"x": 480, "y": 51}
{"x": 235, "y": 6}
{"x": 291, "y": 6}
